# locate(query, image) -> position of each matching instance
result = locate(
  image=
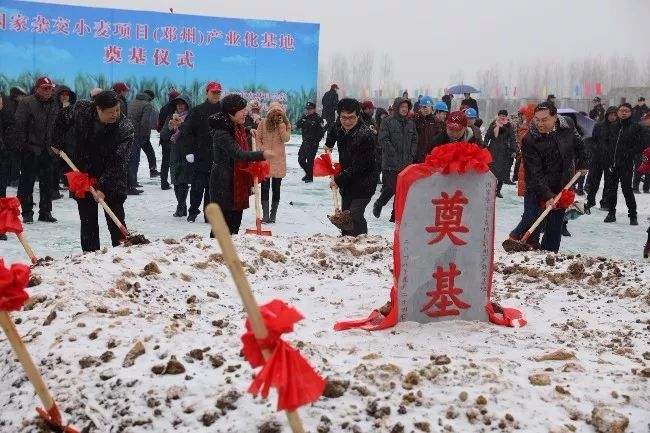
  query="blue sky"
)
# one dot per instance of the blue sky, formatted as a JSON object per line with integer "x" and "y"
{"x": 66, "y": 56}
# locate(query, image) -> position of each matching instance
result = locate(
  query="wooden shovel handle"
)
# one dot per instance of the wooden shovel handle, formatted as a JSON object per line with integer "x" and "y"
{"x": 548, "y": 209}
{"x": 222, "y": 234}
{"x": 335, "y": 196}
{"x": 102, "y": 203}
{"x": 27, "y": 248}
{"x": 26, "y": 360}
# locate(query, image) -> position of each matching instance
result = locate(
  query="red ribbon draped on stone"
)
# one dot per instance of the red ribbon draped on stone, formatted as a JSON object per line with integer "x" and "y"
{"x": 459, "y": 157}
{"x": 323, "y": 166}
{"x": 566, "y": 199}
{"x": 10, "y": 215}
{"x": 13, "y": 281}
{"x": 259, "y": 169}
{"x": 80, "y": 183}
{"x": 286, "y": 369}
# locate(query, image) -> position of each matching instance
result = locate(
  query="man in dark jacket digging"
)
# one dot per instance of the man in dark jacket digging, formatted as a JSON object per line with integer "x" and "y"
{"x": 312, "y": 128}
{"x": 103, "y": 139}
{"x": 398, "y": 139}
{"x": 6, "y": 123}
{"x": 35, "y": 118}
{"x": 197, "y": 143}
{"x": 550, "y": 149}
{"x": 357, "y": 180}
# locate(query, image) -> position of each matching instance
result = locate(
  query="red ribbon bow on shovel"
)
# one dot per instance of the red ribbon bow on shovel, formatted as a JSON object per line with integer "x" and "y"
{"x": 259, "y": 169}
{"x": 566, "y": 199}
{"x": 323, "y": 166}
{"x": 10, "y": 215}
{"x": 80, "y": 183}
{"x": 13, "y": 281}
{"x": 286, "y": 369}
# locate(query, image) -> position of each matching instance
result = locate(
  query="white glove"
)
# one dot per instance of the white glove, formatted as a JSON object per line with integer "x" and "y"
{"x": 190, "y": 158}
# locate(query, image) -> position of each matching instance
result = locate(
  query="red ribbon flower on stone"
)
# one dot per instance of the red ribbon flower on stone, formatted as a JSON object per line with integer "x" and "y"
{"x": 10, "y": 215}
{"x": 459, "y": 157}
{"x": 323, "y": 166}
{"x": 13, "y": 281}
{"x": 80, "y": 183}
{"x": 259, "y": 169}
{"x": 286, "y": 369}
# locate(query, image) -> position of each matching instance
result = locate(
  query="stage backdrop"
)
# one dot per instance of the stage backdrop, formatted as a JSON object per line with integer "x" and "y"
{"x": 85, "y": 47}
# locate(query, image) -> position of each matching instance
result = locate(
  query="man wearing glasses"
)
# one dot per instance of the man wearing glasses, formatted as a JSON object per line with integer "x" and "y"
{"x": 197, "y": 144}
{"x": 629, "y": 143}
{"x": 357, "y": 180}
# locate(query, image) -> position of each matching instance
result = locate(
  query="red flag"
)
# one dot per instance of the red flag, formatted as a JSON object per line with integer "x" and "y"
{"x": 323, "y": 166}
{"x": 10, "y": 215}
{"x": 80, "y": 183}
{"x": 286, "y": 369}
{"x": 566, "y": 199}
{"x": 259, "y": 169}
{"x": 12, "y": 286}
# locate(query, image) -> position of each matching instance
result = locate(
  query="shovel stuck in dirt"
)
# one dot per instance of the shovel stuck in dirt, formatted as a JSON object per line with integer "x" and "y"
{"x": 258, "y": 211}
{"x": 341, "y": 219}
{"x": 514, "y": 245}
{"x": 50, "y": 413}
{"x": 130, "y": 239}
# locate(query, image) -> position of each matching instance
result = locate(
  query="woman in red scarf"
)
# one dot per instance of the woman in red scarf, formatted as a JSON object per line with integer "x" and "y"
{"x": 230, "y": 185}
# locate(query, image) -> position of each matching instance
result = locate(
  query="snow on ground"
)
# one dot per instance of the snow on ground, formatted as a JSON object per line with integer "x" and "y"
{"x": 303, "y": 212}
{"x": 585, "y": 347}
{"x": 590, "y": 317}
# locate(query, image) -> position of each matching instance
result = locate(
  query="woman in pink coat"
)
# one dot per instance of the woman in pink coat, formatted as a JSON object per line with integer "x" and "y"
{"x": 272, "y": 134}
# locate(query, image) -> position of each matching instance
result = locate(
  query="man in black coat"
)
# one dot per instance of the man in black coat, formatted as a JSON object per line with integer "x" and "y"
{"x": 640, "y": 110}
{"x": 470, "y": 102}
{"x": 6, "y": 123}
{"x": 330, "y": 102}
{"x": 629, "y": 143}
{"x": 165, "y": 145}
{"x": 121, "y": 89}
{"x": 312, "y": 133}
{"x": 103, "y": 139}
{"x": 357, "y": 180}
{"x": 603, "y": 138}
{"x": 196, "y": 142}
{"x": 35, "y": 118}
{"x": 551, "y": 149}
{"x": 598, "y": 112}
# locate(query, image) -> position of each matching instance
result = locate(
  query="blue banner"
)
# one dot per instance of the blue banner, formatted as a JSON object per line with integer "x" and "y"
{"x": 85, "y": 47}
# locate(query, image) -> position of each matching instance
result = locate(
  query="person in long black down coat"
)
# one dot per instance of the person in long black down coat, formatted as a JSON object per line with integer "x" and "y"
{"x": 6, "y": 123}
{"x": 357, "y": 180}
{"x": 103, "y": 140}
{"x": 196, "y": 141}
{"x": 230, "y": 185}
{"x": 500, "y": 140}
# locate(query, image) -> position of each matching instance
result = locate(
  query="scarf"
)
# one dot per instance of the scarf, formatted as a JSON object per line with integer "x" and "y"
{"x": 497, "y": 126}
{"x": 242, "y": 181}
{"x": 176, "y": 133}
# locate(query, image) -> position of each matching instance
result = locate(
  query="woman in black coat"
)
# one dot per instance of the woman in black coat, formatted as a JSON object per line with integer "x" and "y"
{"x": 500, "y": 139}
{"x": 230, "y": 185}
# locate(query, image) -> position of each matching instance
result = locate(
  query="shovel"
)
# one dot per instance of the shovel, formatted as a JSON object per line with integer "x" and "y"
{"x": 129, "y": 238}
{"x": 513, "y": 245}
{"x": 222, "y": 233}
{"x": 258, "y": 210}
{"x": 50, "y": 414}
{"x": 341, "y": 219}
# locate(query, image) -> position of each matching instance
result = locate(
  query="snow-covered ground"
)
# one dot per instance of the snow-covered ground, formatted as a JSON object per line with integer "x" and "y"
{"x": 303, "y": 212}
{"x": 583, "y": 359}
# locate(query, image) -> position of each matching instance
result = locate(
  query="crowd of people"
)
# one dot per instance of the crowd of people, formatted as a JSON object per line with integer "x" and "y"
{"x": 206, "y": 150}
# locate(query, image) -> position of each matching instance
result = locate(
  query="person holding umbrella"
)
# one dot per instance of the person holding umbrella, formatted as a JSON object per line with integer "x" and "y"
{"x": 470, "y": 102}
